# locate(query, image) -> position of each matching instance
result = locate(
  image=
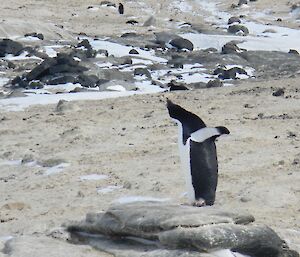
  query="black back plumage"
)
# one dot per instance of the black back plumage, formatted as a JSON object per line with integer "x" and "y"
{"x": 121, "y": 8}
{"x": 190, "y": 121}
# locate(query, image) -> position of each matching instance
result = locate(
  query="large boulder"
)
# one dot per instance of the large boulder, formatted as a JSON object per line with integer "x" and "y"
{"x": 8, "y": 46}
{"x": 188, "y": 228}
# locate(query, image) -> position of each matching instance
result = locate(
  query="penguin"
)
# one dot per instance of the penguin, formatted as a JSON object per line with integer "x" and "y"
{"x": 121, "y": 8}
{"x": 198, "y": 154}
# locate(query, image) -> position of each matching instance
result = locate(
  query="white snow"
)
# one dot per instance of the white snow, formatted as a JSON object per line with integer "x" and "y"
{"x": 132, "y": 199}
{"x": 22, "y": 56}
{"x": 108, "y": 189}
{"x": 119, "y": 50}
{"x": 93, "y": 177}
{"x": 56, "y": 169}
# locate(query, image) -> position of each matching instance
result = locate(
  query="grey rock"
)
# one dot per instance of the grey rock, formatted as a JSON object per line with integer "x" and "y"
{"x": 278, "y": 92}
{"x": 146, "y": 220}
{"x": 186, "y": 228}
{"x": 230, "y": 48}
{"x": 235, "y": 29}
{"x": 87, "y": 80}
{"x": 255, "y": 240}
{"x": 241, "y": 2}
{"x": 233, "y": 20}
{"x": 149, "y": 22}
{"x": 175, "y": 86}
{"x": 142, "y": 71}
{"x": 214, "y": 83}
{"x": 182, "y": 43}
{"x": 34, "y": 34}
{"x": 61, "y": 80}
{"x": 8, "y": 46}
{"x": 61, "y": 107}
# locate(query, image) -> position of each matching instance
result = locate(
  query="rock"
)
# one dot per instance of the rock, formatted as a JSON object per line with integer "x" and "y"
{"x": 15, "y": 206}
{"x": 87, "y": 80}
{"x": 132, "y": 22}
{"x": 54, "y": 161}
{"x": 41, "y": 69}
{"x": 214, "y": 83}
{"x": 241, "y": 2}
{"x": 233, "y": 20}
{"x": 182, "y": 43}
{"x": 61, "y": 80}
{"x": 230, "y": 48}
{"x": 8, "y": 46}
{"x": 175, "y": 86}
{"x": 185, "y": 228}
{"x": 61, "y": 107}
{"x": 141, "y": 72}
{"x": 236, "y": 29}
{"x": 34, "y": 34}
{"x": 269, "y": 31}
{"x": 149, "y": 22}
{"x": 278, "y": 92}
{"x": 255, "y": 240}
{"x": 107, "y": 3}
{"x": 133, "y": 51}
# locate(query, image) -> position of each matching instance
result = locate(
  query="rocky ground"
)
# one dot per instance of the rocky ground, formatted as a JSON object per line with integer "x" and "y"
{"x": 129, "y": 144}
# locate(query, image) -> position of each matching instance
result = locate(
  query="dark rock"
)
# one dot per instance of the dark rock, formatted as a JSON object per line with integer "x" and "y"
{"x": 132, "y": 22}
{"x": 11, "y": 65}
{"x": 35, "y": 85}
{"x": 293, "y": 51}
{"x": 233, "y": 20}
{"x": 279, "y": 20}
{"x": 121, "y": 8}
{"x": 230, "y": 48}
{"x": 129, "y": 34}
{"x": 241, "y": 2}
{"x": 66, "y": 68}
{"x": 214, "y": 83}
{"x": 278, "y": 92}
{"x": 182, "y": 43}
{"x": 228, "y": 74}
{"x": 125, "y": 60}
{"x": 34, "y": 34}
{"x": 87, "y": 80}
{"x": 61, "y": 80}
{"x": 175, "y": 86}
{"x": 84, "y": 43}
{"x": 141, "y": 72}
{"x": 133, "y": 51}
{"x": 235, "y": 29}
{"x": 41, "y": 69}
{"x": 19, "y": 82}
{"x": 103, "y": 52}
{"x": 8, "y": 46}
{"x": 210, "y": 50}
{"x": 107, "y": 3}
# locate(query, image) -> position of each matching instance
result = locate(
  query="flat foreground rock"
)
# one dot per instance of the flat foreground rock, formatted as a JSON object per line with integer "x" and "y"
{"x": 186, "y": 228}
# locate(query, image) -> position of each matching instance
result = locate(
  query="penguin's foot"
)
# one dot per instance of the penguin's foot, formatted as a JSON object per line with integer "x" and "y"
{"x": 199, "y": 203}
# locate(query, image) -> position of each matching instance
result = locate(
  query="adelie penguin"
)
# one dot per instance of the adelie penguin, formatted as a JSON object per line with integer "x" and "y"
{"x": 121, "y": 8}
{"x": 198, "y": 154}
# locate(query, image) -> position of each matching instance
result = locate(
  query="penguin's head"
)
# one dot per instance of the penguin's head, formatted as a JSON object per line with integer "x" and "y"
{"x": 223, "y": 130}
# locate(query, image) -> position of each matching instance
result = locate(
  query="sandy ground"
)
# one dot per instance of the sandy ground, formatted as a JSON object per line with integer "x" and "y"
{"x": 133, "y": 141}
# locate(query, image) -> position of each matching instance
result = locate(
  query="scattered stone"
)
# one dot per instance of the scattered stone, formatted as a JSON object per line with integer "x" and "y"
{"x": 241, "y": 2}
{"x": 278, "y": 92}
{"x": 214, "y": 83}
{"x": 34, "y": 34}
{"x": 238, "y": 29}
{"x": 61, "y": 107}
{"x": 245, "y": 199}
{"x": 8, "y": 46}
{"x": 61, "y": 80}
{"x": 133, "y": 51}
{"x": 132, "y": 22}
{"x": 230, "y": 48}
{"x": 175, "y": 86}
{"x": 15, "y": 206}
{"x": 107, "y": 3}
{"x": 141, "y": 72}
{"x": 182, "y": 43}
{"x": 53, "y": 161}
{"x": 233, "y": 19}
{"x": 27, "y": 158}
{"x": 87, "y": 80}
